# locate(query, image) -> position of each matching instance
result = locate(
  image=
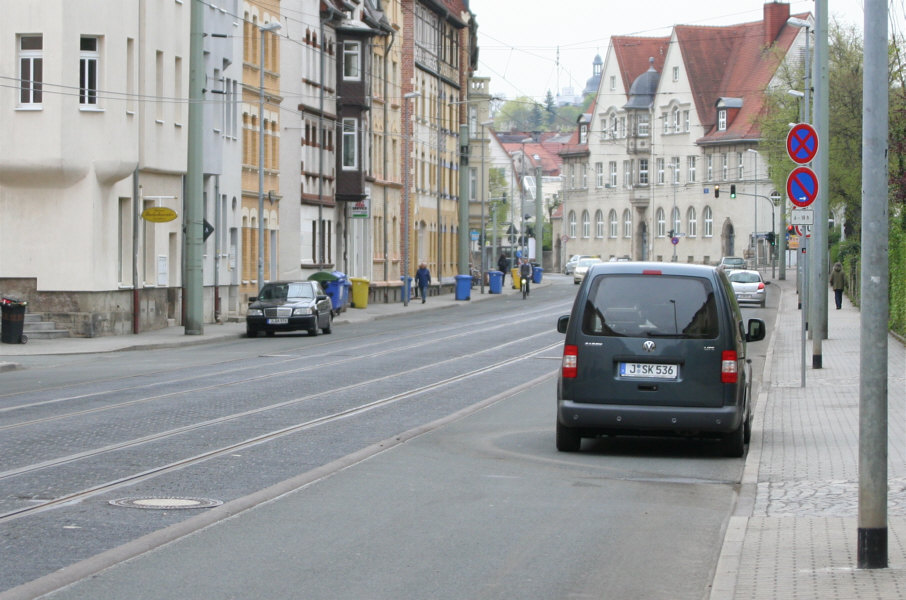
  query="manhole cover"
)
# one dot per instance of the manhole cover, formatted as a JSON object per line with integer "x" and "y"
{"x": 166, "y": 503}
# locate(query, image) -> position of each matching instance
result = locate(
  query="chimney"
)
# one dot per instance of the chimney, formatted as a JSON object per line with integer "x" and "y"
{"x": 775, "y": 15}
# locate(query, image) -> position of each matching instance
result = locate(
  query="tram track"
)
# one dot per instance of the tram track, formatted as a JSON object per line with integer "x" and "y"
{"x": 255, "y": 440}
{"x": 348, "y": 354}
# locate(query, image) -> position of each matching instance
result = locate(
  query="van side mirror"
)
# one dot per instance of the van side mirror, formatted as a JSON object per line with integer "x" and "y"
{"x": 756, "y": 330}
{"x": 562, "y": 324}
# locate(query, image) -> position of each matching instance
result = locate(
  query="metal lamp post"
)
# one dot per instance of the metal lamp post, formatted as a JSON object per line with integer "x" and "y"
{"x": 673, "y": 216}
{"x": 407, "y": 134}
{"x": 274, "y": 26}
{"x": 484, "y": 196}
{"x": 755, "y": 178}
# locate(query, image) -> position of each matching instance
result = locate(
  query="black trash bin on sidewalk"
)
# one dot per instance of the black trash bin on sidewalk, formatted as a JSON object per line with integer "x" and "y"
{"x": 13, "y": 321}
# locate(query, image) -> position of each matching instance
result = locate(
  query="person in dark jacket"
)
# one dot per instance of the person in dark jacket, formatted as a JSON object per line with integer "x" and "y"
{"x": 503, "y": 265}
{"x": 422, "y": 280}
{"x": 525, "y": 273}
{"x": 836, "y": 282}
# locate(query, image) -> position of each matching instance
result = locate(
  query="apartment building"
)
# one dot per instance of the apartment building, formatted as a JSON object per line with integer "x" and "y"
{"x": 95, "y": 112}
{"x": 672, "y": 127}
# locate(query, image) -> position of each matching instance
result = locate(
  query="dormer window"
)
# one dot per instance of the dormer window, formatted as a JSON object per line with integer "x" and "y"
{"x": 583, "y": 134}
{"x": 722, "y": 120}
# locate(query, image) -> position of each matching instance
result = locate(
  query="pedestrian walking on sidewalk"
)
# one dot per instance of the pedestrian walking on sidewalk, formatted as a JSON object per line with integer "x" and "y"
{"x": 422, "y": 280}
{"x": 503, "y": 265}
{"x": 836, "y": 281}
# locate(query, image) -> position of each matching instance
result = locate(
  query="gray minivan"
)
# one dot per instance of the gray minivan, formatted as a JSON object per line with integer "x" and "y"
{"x": 655, "y": 349}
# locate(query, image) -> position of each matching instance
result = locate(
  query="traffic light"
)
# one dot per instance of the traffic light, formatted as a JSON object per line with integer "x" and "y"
{"x": 717, "y": 191}
{"x": 771, "y": 238}
{"x": 732, "y": 190}
{"x": 670, "y": 234}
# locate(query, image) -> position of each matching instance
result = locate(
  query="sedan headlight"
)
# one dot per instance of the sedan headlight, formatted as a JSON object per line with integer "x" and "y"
{"x": 306, "y": 310}
{"x": 255, "y": 312}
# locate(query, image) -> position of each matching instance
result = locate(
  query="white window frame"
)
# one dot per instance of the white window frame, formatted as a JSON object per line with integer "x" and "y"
{"x": 613, "y": 82}
{"x": 89, "y": 67}
{"x": 675, "y": 120}
{"x": 572, "y": 224}
{"x": 724, "y": 166}
{"x": 691, "y": 223}
{"x": 614, "y": 224}
{"x": 661, "y": 223}
{"x": 586, "y": 224}
{"x": 676, "y": 170}
{"x": 350, "y": 136}
{"x": 710, "y": 167}
{"x": 686, "y": 122}
{"x": 675, "y": 73}
{"x": 583, "y": 134}
{"x": 740, "y": 173}
{"x": 613, "y": 173}
{"x": 708, "y": 217}
{"x": 661, "y": 178}
{"x": 599, "y": 174}
{"x": 31, "y": 86}
{"x": 722, "y": 119}
{"x": 599, "y": 223}
{"x": 676, "y": 220}
{"x": 643, "y": 171}
{"x": 690, "y": 163}
{"x": 627, "y": 224}
{"x": 352, "y": 60}
{"x": 644, "y": 124}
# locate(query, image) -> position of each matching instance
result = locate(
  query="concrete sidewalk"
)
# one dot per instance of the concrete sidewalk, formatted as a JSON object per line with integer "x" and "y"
{"x": 794, "y": 534}
{"x": 175, "y": 336}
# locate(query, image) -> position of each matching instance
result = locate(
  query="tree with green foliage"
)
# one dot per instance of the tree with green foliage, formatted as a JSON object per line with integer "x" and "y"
{"x": 550, "y": 108}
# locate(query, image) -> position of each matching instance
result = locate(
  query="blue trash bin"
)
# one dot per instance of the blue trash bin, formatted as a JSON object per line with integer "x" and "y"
{"x": 337, "y": 291}
{"x": 536, "y": 274}
{"x": 495, "y": 282}
{"x": 463, "y": 287}
{"x": 406, "y": 290}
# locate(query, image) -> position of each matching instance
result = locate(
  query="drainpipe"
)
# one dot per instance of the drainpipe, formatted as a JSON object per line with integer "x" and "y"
{"x": 387, "y": 45}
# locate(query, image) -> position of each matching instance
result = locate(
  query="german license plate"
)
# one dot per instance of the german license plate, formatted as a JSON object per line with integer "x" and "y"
{"x": 648, "y": 370}
{"x": 280, "y": 321}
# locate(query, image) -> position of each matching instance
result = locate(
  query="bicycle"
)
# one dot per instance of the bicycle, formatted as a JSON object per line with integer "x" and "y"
{"x": 523, "y": 283}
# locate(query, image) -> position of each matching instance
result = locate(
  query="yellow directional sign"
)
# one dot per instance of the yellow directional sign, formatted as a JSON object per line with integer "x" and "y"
{"x": 159, "y": 214}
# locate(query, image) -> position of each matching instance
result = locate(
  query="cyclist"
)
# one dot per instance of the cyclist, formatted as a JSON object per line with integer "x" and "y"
{"x": 525, "y": 273}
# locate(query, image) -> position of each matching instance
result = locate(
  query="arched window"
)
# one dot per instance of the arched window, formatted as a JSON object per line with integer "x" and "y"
{"x": 613, "y": 223}
{"x": 692, "y": 225}
{"x": 572, "y": 224}
{"x": 586, "y": 224}
{"x": 709, "y": 222}
{"x": 627, "y": 224}
{"x": 599, "y": 224}
{"x": 661, "y": 223}
{"x": 676, "y": 223}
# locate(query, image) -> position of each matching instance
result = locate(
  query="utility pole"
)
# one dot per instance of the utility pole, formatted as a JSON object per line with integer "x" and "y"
{"x": 464, "y": 194}
{"x": 194, "y": 201}
{"x": 872, "y": 532}
{"x": 539, "y": 217}
{"x": 818, "y": 315}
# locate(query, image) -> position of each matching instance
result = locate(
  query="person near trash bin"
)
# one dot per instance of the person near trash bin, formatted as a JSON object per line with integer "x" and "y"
{"x": 422, "y": 280}
{"x": 525, "y": 273}
{"x": 836, "y": 281}
{"x": 503, "y": 265}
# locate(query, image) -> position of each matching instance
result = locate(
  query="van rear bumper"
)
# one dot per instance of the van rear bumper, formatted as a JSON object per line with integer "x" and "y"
{"x": 616, "y": 418}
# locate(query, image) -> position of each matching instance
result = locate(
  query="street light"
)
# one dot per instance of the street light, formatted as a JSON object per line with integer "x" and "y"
{"x": 273, "y": 26}
{"x": 484, "y": 194}
{"x": 521, "y": 189}
{"x": 755, "y": 177}
{"x": 673, "y": 216}
{"x": 407, "y": 133}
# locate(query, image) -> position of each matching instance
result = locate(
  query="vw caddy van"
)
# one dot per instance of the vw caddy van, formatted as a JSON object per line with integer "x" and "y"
{"x": 656, "y": 349}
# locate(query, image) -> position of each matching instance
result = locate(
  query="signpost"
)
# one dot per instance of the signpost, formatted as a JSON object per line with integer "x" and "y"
{"x": 802, "y": 186}
{"x": 802, "y": 143}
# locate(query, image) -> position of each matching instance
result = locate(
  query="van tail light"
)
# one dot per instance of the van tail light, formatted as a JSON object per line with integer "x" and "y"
{"x": 729, "y": 369}
{"x": 570, "y": 361}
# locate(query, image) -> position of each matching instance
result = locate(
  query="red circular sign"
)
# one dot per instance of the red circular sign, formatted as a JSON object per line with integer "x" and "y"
{"x": 802, "y": 143}
{"x": 802, "y": 186}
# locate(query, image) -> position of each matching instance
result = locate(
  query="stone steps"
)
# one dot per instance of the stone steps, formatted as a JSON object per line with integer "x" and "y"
{"x": 36, "y": 328}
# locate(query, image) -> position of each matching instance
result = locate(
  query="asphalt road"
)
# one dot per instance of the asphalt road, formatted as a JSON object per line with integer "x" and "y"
{"x": 410, "y": 457}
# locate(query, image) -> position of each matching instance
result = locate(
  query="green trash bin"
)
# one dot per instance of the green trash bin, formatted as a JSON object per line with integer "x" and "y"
{"x": 359, "y": 292}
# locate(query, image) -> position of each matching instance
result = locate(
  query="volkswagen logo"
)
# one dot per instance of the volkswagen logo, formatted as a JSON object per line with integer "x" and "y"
{"x": 649, "y": 346}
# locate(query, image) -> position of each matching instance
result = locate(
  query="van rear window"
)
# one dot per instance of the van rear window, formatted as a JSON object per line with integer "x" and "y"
{"x": 644, "y": 306}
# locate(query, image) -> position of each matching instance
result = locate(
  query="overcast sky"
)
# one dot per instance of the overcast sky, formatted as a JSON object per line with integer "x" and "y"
{"x": 518, "y": 40}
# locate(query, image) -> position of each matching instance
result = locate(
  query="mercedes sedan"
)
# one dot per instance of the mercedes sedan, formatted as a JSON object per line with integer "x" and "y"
{"x": 289, "y": 306}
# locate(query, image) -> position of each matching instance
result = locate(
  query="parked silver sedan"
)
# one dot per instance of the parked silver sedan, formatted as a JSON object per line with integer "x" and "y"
{"x": 582, "y": 268}
{"x": 748, "y": 286}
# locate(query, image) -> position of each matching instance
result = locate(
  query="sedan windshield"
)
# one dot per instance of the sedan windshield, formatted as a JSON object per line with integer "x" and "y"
{"x": 285, "y": 291}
